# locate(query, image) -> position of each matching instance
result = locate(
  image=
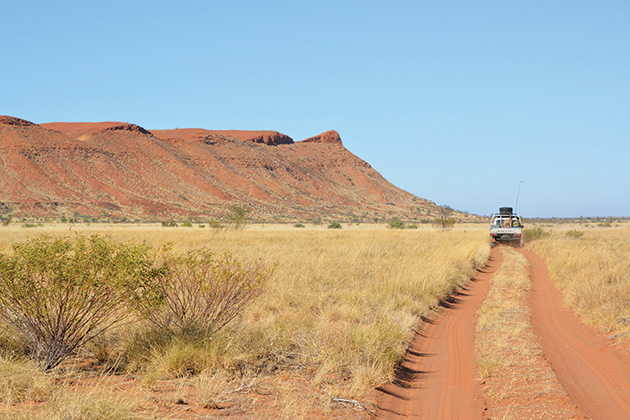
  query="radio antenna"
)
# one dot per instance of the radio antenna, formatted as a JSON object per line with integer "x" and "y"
{"x": 517, "y": 195}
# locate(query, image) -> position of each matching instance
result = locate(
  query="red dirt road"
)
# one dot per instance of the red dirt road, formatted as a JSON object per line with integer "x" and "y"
{"x": 595, "y": 375}
{"x": 436, "y": 379}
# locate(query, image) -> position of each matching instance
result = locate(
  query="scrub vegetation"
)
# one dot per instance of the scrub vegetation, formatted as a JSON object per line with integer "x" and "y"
{"x": 335, "y": 307}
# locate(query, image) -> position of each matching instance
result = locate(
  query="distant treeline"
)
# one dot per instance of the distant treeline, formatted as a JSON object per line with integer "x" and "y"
{"x": 580, "y": 219}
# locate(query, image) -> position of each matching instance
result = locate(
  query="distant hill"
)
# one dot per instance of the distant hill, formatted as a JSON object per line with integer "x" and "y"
{"x": 116, "y": 170}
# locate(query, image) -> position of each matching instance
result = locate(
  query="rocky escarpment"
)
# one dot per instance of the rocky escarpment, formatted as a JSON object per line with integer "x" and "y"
{"x": 270, "y": 138}
{"x": 115, "y": 169}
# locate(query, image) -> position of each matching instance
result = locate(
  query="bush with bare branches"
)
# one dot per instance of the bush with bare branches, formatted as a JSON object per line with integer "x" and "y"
{"x": 444, "y": 219}
{"x": 202, "y": 292}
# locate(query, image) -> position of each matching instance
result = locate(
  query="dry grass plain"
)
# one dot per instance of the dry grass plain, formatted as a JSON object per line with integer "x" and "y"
{"x": 591, "y": 265}
{"x": 338, "y": 313}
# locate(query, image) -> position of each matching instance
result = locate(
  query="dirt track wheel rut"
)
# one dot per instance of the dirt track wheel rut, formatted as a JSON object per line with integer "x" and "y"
{"x": 595, "y": 375}
{"x": 436, "y": 379}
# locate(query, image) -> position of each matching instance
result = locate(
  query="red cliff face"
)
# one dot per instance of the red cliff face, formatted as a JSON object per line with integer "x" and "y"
{"x": 114, "y": 169}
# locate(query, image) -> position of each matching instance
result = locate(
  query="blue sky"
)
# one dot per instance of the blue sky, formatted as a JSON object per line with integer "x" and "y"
{"x": 454, "y": 101}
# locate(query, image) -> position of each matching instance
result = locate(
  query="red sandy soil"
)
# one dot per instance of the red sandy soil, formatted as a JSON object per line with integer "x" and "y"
{"x": 437, "y": 380}
{"x": 595, "y": 374}
{"x": 283, "y": 395}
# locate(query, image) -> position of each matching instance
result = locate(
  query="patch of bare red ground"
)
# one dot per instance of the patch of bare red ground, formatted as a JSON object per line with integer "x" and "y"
{"x": 279, "y": 395}
{"x": 436, "y": 380}
{"x": 595, "y": 374}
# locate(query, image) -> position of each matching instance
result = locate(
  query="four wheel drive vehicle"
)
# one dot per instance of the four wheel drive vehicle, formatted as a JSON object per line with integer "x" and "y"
{"x": 506, "y": 227}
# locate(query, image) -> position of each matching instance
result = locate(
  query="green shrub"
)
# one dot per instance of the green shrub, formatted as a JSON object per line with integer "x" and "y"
{"x": 187, "y": 224}
{"x": 215, "y": 224}
{"x": 532, "y": 234}
{"x": 334, "y": 225}
{"x": 412, "y": 226}
{"x": 31, "y": 225}
{"x": 574, "y": 233}
{"x": 298, "y": 225}
{"x": 396, "y": 223}
{"x": 444, "y": 223}
{"x": 59, "y": 294}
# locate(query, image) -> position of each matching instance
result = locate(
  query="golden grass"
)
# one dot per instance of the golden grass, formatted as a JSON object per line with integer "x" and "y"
{"x": 29, "y": 393}
{"x": 341, "y": 305}
{"x": 503, "y": 318}
{"x": 593, "y": 271}
{"x": 89, "y": 406}
{"x": 21, "y": 381}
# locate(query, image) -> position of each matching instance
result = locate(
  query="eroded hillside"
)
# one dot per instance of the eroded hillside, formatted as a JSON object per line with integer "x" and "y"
{"x": 114, "y": 169}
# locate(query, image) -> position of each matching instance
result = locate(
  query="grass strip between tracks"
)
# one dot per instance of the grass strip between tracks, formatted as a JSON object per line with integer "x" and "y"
{"x": 516, "y": 380}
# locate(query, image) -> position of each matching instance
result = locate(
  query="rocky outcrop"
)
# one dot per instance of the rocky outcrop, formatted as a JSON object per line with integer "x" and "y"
{"x": 127, "y": 127}
{"x": 329, "y": 137}
{"x": 76, "y": 130}
{"x": 270, "y": 138}
{"x": 7, "y": 120}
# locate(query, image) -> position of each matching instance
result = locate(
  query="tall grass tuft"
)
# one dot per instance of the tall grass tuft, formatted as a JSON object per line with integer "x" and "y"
{"x": 21, "y": 381}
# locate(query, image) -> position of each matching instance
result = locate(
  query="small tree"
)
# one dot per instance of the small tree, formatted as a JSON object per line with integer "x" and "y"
{"x": 59, "y": 294}
{"x": 238, "y": 216}
{"x": 202, "y": 292}
{"x": 444, "y": 219}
